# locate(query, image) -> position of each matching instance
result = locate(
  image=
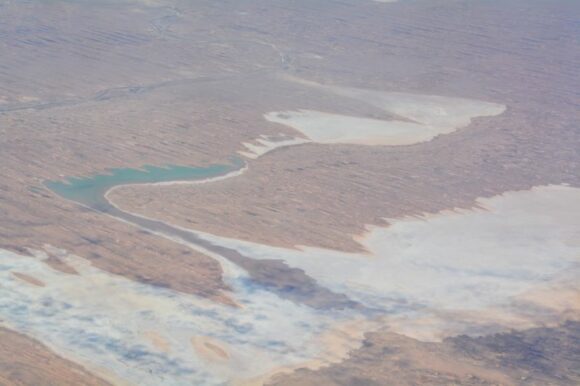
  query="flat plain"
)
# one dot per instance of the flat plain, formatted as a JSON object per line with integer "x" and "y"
{"x": 398, "y": 204}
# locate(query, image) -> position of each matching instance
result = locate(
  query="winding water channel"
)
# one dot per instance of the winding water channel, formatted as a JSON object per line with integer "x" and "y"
{"x": 275, "y": 275}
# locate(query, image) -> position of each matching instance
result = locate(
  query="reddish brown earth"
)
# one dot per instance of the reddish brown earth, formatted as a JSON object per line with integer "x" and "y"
{"x": 88, "y": 86}
{"x": 24, "y": 362}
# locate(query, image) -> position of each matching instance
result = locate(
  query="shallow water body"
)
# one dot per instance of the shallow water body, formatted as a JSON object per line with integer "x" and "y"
{"x": 89, "y": 191}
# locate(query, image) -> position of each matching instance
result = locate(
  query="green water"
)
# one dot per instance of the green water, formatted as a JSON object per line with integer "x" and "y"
{"x": 89, "y": 191}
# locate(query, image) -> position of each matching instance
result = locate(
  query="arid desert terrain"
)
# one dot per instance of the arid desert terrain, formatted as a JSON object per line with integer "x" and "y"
{"x": 275, "y": 192}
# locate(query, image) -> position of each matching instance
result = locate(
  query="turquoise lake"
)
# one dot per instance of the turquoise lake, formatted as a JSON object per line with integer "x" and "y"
{"x": 90, "y": 190}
